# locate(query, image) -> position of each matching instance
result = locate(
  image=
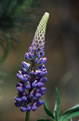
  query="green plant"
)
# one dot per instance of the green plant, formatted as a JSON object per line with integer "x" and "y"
{"x": 55, "y": 115}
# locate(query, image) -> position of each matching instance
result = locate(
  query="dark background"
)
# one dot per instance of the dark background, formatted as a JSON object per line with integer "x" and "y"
{"x": 62, "y": 51}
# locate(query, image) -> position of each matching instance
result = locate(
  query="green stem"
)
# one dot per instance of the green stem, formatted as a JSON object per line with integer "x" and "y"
{"x": 27, "y": 118}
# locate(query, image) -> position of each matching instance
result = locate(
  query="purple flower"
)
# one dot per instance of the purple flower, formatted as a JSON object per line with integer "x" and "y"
{"x": 31, "y": 77}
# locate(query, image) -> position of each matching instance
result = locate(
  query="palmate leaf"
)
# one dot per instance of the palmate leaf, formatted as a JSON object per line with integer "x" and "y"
{"x": 70, "y": 113}
{"x": 48, "y": 112}
{"x": 57, "y": 106}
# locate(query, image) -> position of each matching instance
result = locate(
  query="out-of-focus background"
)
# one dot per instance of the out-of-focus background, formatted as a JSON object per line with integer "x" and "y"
{"x": 18, "y": 22}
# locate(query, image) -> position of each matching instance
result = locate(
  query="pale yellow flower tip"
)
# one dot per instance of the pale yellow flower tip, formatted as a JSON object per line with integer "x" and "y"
{"x": 39, "y": 37}
{"x": 46, "y": 14}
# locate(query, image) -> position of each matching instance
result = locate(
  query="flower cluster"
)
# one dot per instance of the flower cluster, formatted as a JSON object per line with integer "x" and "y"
{"x": 32, "y": 75}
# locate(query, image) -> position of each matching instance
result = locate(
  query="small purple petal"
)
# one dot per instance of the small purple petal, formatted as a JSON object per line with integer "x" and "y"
{"x": 26, "y": 56}
{"x": 28, "y": 108}
{"x": 25, "y": 79}
{"x": 32, "y": 73}
{"x": 42, "y": 53}
{"x": 18, "y": 99}
{"x": 25, "y": 66}
{"x": 43, "y": 92}
{"x": 26, "y": 76}
{"x": 41, "y": 67}
{"x": 38, "y": 95}
{"x": 43, "y": 79}
{"x": 38, "y": 72}
{"x": 19, "y": 76}
{"x": 20, "y": 89}
{"x": 31, "y": 55}
{"x": 22, "y": 77}
{"x": 30, "y": 49}
{"x": 23, "y": 109}
{"x": 35, "y": 98}
{"x": 24, "y": 98}
{"x": 40, "y": 102}
{"x": 34, "y": 107}
{"x": 18, "y": 104}
{"x": 40, "y": 84}
{"x": 43, "y": 73}
{"x": 42, "y": 60}
{"x": 28, "y": 86}
{"x": 43, "y": 89}
{"x": 36, "y": 60}
{"x": 31, "y": 94}
{"x": 34, "y": 84}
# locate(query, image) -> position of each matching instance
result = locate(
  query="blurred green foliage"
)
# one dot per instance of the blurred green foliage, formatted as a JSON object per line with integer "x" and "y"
{"x": 10, "y": 10}
{"x": 5, "y": 45}
{"x": 12, "y": 14}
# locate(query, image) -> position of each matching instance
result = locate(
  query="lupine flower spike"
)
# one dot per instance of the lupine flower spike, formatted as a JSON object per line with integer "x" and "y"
{"x": 32, "y": 74}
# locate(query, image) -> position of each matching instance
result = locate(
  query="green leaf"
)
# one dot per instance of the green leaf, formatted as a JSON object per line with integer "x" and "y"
{"x": 57, "y": 105}
{"x": 48, "y": 112}
{"x": 70, "y": 113}
{"x": 43, "y": 120}
{"x": 45, "y": 103}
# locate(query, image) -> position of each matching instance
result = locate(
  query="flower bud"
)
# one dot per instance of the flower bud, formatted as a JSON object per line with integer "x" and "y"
{"x": 38, "y": 95}
{"x": 34, "y": 84}
{"x": 23, "y": 109}
{"x": 18, "y": 99}
{"x": 37, "y": 73}
{"x": 31, "y": 55}
{"x": 34, "y": 107}
{"x": 28, "y": 86}
{"x": 28, "y": 108}
{"x": 18, "y": 104}
{"x": 24, "y": 98}
{"x": 43, "y": 79}
{"x": 32, "y": 73}
{"x": 41, "y": 67}
{"x": 42, "y": 89}
{"x": 40, "y": 84}
{"x": 20, "y": 89}
{"x": 27, "y": 56}
{"x": 19, "y": 76}
{"x": 43, "y": 73}
{"x": 25, "y": 66}
{"x": 42, "y": 60}
{"x": 40, "y": 102}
